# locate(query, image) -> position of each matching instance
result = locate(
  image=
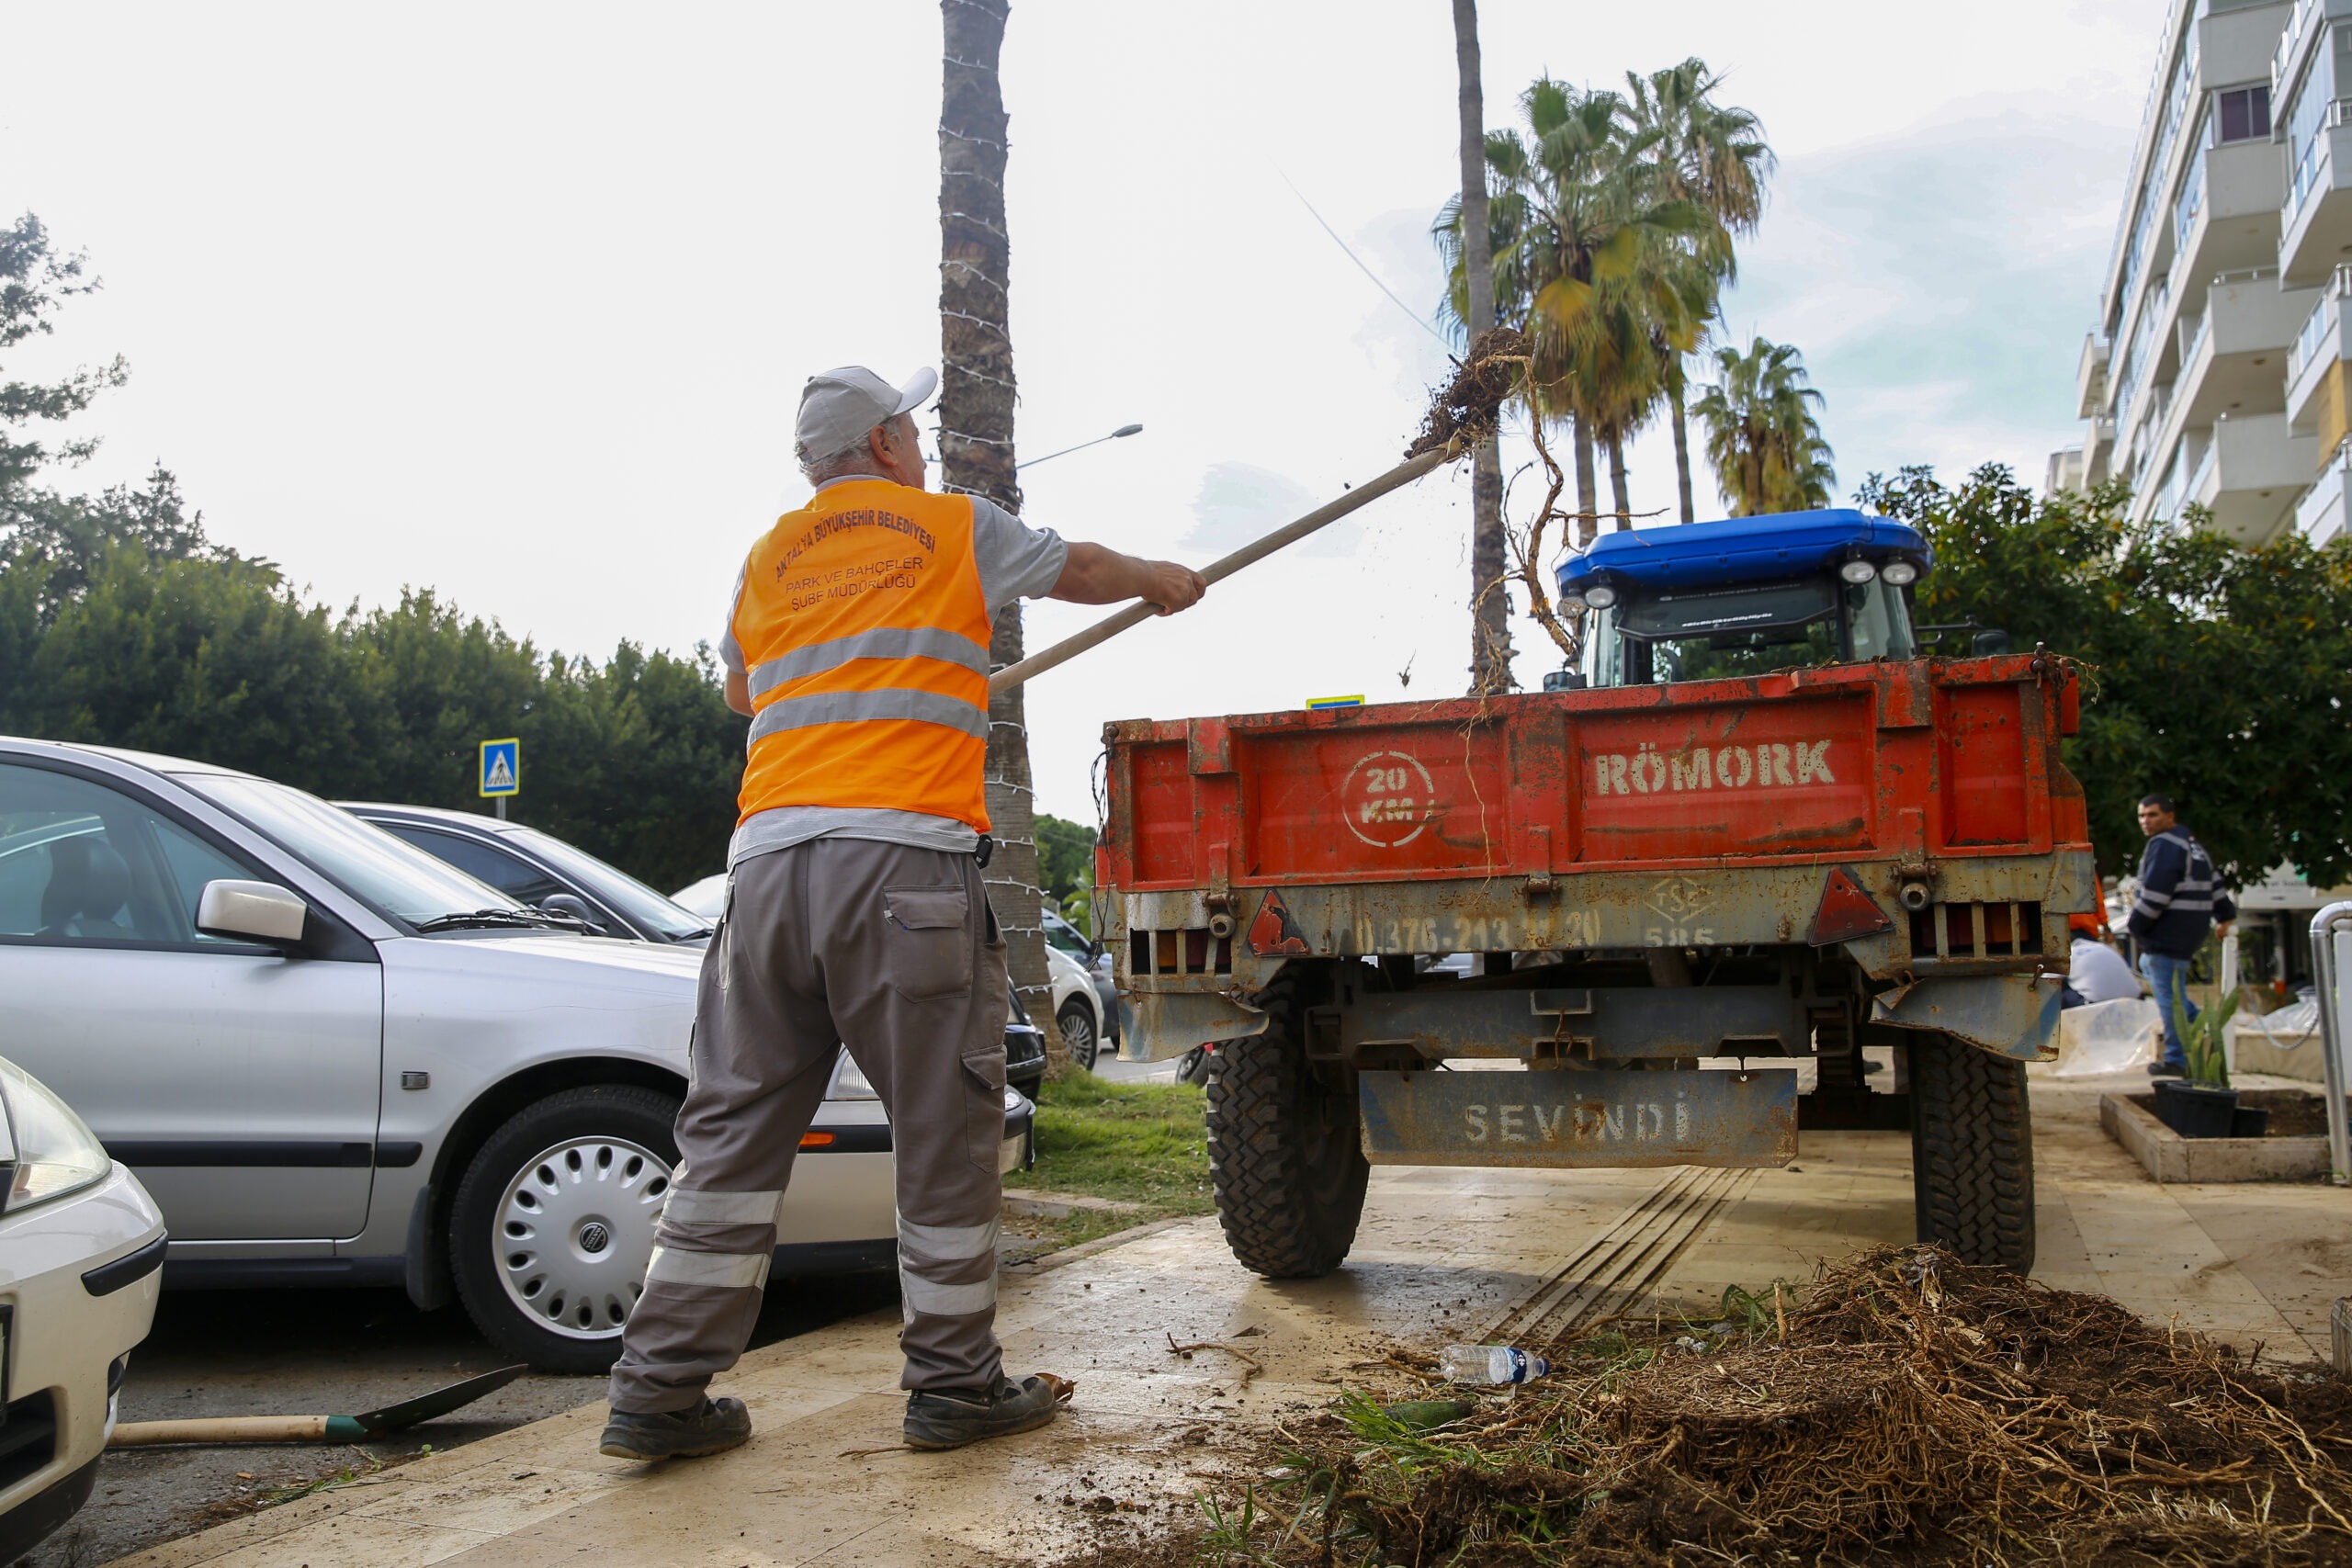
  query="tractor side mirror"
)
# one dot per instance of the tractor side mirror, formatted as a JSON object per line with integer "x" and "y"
{"x": 1563, "y": 681}
{"x": 1992, "y": 640}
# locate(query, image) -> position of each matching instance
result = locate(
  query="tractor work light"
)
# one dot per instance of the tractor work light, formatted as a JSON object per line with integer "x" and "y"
{"x": 1600, "y": 596}
{"x": 1899, "y": 573}
{"x": 1858, "y": 572}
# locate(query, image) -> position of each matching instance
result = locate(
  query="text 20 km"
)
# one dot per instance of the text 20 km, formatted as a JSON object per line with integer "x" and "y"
{"x": 1761, "y": 766}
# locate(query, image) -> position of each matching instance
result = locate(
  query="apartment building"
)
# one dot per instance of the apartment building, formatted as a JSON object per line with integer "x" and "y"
{"x": 2221, "y": 373}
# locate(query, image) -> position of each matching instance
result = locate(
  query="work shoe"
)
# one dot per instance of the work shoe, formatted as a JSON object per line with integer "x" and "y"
{"x": 2166, "y": 1070}
{"x": 711, "y": 1428}
{"x": 950, "y": 1417}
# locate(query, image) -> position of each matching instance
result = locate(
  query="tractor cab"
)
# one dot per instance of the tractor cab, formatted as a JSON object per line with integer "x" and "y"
{"x": 1744, "y": 596}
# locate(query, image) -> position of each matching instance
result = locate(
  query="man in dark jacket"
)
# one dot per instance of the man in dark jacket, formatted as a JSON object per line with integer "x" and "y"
{"x": 2177, "y": 903}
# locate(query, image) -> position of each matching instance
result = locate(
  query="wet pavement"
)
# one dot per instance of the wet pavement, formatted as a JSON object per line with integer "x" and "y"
{"x": 1442, "y": 1255}
{"x": 309, "y": 1352}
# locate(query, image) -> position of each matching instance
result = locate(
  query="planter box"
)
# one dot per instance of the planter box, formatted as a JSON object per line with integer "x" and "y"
{"x": 2168, "y": 1157}
{"x": 2196, "y": 1109}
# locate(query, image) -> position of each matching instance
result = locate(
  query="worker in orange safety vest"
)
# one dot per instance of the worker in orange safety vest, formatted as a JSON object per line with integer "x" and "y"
{"x": 857, "y": 643}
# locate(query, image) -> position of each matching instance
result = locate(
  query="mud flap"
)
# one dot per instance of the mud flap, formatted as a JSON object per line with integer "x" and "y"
{"x": 1611, "y": 1118}
{"x": 2009, "y": 1015}
{"x": 1156, "y": 1025}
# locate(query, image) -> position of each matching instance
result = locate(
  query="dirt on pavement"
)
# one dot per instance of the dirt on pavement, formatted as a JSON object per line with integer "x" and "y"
{"x": 1907, "y": 1409}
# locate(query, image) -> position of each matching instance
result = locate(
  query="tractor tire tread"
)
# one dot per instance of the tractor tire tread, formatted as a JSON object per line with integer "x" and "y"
{"x": 1973, "y": 1153}
{"x": 1266, "y": 1195}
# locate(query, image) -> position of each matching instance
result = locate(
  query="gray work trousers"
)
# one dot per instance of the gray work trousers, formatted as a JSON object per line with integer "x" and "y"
{"x": 893, "y": 952}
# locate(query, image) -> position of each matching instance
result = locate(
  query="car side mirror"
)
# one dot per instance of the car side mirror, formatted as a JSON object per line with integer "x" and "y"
{"x": 576, "y": 907}
{"x": 258, "y": 911}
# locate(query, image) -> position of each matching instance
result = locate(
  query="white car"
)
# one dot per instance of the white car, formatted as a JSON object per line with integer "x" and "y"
{"x": 335, "y": 1059}
{"x": 81, "y": 1255}
{"x": 1077, "y": 1007}
{"x": 706, "y": 896}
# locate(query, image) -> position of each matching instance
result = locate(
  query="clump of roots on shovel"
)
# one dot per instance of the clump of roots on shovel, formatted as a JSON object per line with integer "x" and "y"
{"x": 1910, "y": 1409}
{"x": 1469, "y": 407}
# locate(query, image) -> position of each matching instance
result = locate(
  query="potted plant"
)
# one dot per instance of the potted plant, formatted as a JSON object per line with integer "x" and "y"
{"x": 2203, "y": 1105}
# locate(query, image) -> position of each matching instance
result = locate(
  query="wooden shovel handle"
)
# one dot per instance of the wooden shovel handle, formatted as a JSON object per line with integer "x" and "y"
{"x": 1103, "y": 630}
{"x": 221, "y": 1429}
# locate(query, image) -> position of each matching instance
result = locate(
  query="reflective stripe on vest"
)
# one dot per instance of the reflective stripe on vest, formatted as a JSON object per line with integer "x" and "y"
{"x": 865, "y": 632}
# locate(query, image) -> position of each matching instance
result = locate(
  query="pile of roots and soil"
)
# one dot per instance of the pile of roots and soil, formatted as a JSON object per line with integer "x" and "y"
{"x": 1909, "y": 1408}
{"x": 1471, "y": 405}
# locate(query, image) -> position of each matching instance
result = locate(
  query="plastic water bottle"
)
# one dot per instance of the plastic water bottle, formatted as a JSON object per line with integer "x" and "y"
{"x": 1489, "y": 1364}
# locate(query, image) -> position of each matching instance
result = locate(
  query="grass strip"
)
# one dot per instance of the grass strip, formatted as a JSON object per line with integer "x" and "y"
{"x": 1133, "y": 1142}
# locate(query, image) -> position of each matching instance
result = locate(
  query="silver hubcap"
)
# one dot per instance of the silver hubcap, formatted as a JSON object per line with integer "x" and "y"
{"x": 1077, "y": 1034}
{"x": 575, "y": 1234}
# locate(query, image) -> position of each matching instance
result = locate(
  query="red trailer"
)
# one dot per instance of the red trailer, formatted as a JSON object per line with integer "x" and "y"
{"x": 1671, "y": 890}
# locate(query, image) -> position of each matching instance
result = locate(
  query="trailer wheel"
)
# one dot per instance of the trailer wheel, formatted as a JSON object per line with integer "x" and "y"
{"x": 1971, "y": 1152}
{"x": 1285, "y": 1151}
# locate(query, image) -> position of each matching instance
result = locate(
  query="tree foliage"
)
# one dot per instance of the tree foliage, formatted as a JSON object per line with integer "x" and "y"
{"x": 1610, "y": 224}
{"x": 122, "y": 623}
{"x": 2211, "y": 674}
{"x": 33, "y": 278}
{"x": 1763, "y": 436}
{"x": 214, "y": 658}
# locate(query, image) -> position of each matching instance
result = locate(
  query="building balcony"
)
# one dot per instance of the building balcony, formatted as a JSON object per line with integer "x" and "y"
{"x": 2253, "y": 472}
{"x": 2228, "y": 217}
{"x": 2316, "y": 363}
{"x": 2090, "y": 377}
{"x": 2324, "y": 514}
{"x": 2315, "y": 219}
{"x": 2299, "y": 42}
{"x": 2233, "y": 364}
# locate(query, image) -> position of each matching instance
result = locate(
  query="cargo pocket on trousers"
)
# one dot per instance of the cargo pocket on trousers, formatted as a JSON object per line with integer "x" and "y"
{"x": 984, "y": 1102}
{"x": 930, "y": 950}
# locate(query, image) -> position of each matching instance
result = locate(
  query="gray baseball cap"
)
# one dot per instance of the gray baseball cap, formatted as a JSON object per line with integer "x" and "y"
{"x": 838, "y": 407}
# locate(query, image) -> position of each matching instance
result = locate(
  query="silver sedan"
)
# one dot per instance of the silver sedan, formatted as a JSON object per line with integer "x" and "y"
{"x": 332, "y": 1058}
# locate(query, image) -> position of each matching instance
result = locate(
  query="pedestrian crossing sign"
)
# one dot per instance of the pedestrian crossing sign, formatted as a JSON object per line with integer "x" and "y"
{"x": 502, "y": 767}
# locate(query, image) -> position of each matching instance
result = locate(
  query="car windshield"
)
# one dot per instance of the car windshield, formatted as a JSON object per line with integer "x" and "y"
{"x": 393, "y": 878}
{"x": 616, "y": 888}
{"x": 1060, "y": 934}
{"x": 1713, "y": 634}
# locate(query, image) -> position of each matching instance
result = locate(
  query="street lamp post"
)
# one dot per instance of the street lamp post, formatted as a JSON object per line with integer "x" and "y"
{"x": 1123, "y": 430}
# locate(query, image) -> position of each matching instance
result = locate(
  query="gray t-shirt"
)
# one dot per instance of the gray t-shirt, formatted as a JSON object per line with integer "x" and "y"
{"x": 1015, "y": 561}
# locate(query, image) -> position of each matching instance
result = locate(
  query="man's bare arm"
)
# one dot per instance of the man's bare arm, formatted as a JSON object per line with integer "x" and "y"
{"x": 739, "y": 692}
{"x": 1096, "y": 575}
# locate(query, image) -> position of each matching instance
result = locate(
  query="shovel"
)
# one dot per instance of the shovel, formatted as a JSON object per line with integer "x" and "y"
{"x": 314, "y": 1428}
{"x": 1464, "y": 415}
{"x": 1103, "y": 630}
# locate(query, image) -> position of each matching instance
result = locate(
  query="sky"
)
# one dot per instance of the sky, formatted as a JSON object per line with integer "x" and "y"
{"x": 515, "y": 301}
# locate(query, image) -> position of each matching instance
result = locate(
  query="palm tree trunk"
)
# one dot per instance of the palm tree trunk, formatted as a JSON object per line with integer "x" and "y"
{"x": 1681, "y": 443}
{"x": 1587, "y": 492}
{"x": 1489, "y": 606}
{"x": 1617, "y": 478}
{"x": 976, "y": 409}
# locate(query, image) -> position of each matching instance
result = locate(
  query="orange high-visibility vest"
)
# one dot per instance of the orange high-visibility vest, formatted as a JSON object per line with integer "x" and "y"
{"x": 865, "y": 639}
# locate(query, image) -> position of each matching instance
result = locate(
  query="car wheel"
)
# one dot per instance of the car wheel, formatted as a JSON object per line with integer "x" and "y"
{"x": 1077, "y": 1025}
{"x": 553, "y": 1224}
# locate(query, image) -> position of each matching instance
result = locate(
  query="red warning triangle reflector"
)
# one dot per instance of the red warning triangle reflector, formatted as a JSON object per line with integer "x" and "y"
{"x": 1847, "y": 911}
{"x": 1273, "y": 932}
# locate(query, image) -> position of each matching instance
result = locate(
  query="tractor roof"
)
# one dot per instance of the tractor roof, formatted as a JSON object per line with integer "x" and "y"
{"x": 1741, "y": 549}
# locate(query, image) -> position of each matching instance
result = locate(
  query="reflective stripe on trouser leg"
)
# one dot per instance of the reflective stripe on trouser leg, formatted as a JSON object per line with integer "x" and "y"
{"x": 762, "y": 1049}
{"x": 743, "y": 1270}
{"x": 946, "y": 1270}
{"x": 689, "y": 1207}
